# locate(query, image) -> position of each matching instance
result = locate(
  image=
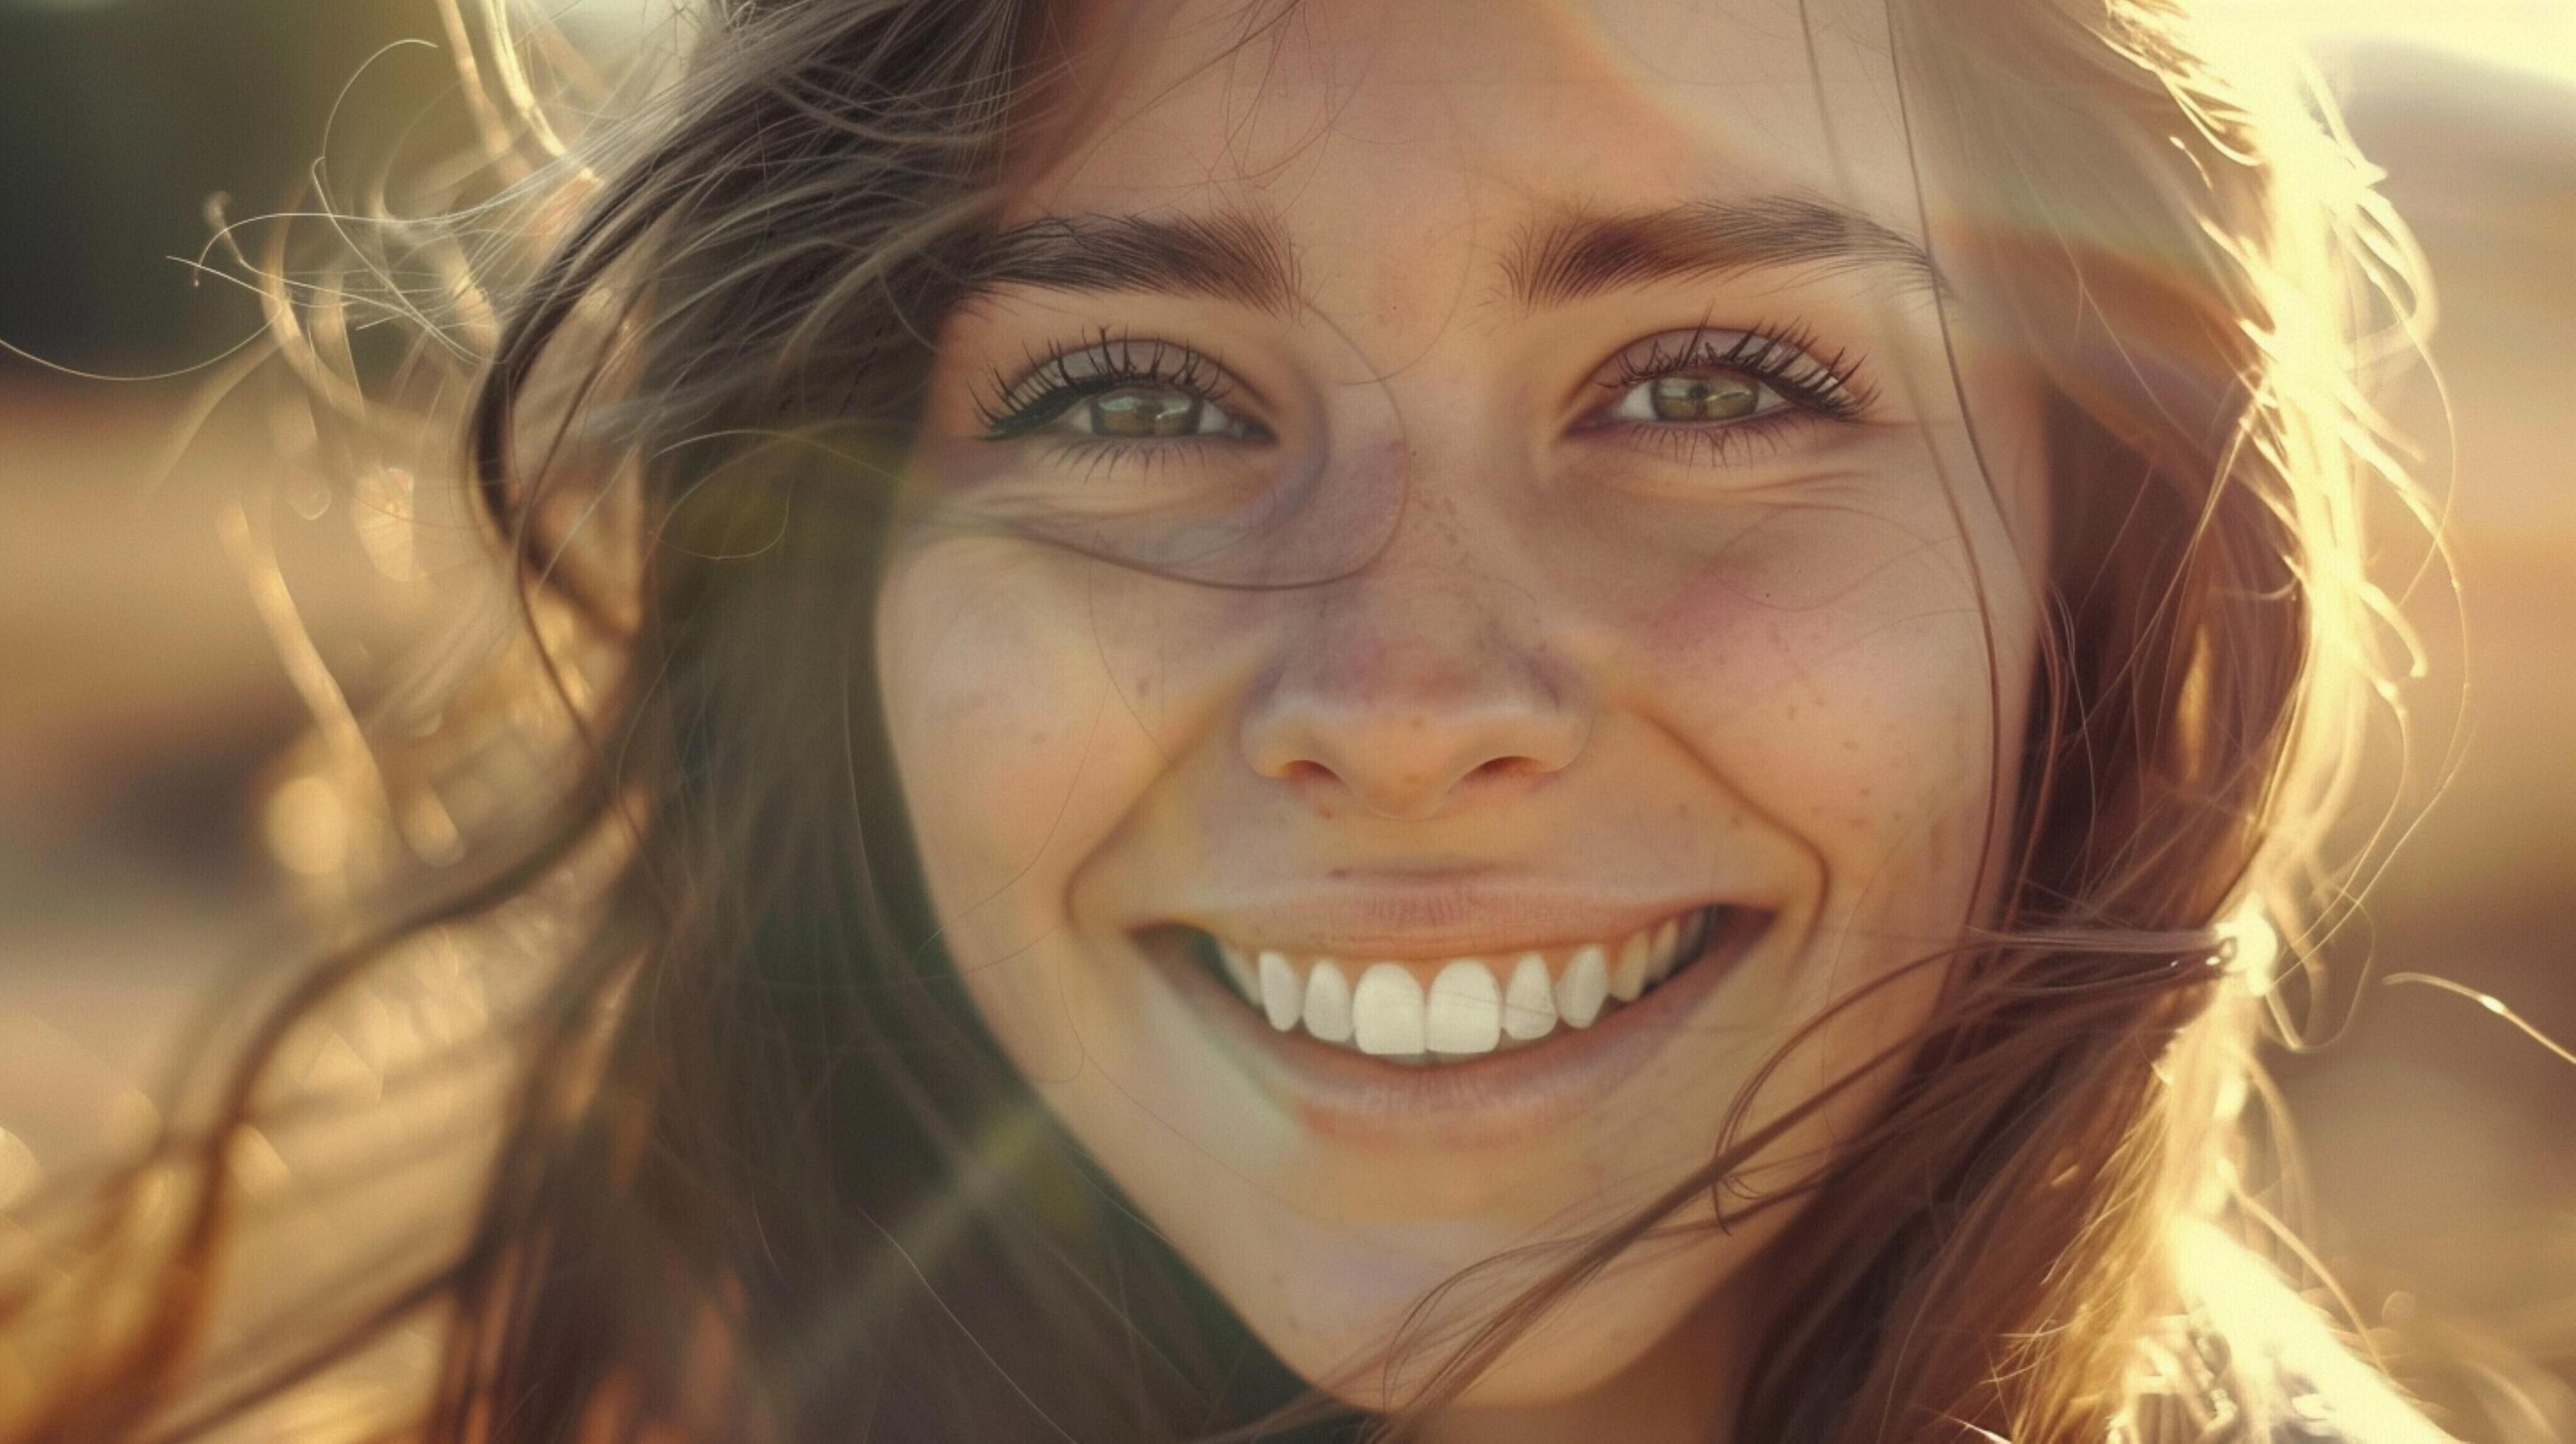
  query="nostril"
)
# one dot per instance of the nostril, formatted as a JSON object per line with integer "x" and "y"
{"x": 1408, "y": 746}
{"x": 1389, "y": 785}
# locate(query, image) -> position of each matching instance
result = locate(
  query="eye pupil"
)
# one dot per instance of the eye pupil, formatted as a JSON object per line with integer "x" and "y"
{"x": 1137, "y": 412}
{"x": 1702, "y": 398}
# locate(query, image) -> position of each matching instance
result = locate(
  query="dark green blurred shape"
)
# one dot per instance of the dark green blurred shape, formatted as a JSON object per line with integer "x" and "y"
{"x": 119, "y": 118}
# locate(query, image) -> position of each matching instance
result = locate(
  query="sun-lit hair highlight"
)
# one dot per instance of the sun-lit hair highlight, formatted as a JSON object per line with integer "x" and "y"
{"x": 679, "y": 319}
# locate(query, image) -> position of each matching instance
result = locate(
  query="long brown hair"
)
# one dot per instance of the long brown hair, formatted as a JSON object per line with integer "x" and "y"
{"x": 763, "y": 1175}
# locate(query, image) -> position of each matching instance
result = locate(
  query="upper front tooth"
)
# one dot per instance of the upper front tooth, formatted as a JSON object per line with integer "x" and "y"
{"x": 1586, "y": 983}
{"x": 1628, "y": 975}
{"x": 1386, "y": 1011}
{"x": 1465, "y": 1012}
{"x": 1528, "y": 1009}
{"x": 1281, "y": 997}
{"x": 1328, "y": 1002}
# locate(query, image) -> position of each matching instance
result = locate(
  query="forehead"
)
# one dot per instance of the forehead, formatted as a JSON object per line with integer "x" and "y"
{"x": 1358, "y": 121}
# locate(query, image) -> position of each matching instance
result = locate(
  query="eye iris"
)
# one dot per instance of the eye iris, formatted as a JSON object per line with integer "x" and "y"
{"x": 1145, "y": 413}
{"x": 1702, "y": 398}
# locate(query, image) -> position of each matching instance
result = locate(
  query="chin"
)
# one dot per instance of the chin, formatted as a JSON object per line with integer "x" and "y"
{"x": 1650, "y": 1300}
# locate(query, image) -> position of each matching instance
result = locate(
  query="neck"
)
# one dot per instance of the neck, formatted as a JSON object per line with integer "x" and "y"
{"x": 1684, "y": 1388}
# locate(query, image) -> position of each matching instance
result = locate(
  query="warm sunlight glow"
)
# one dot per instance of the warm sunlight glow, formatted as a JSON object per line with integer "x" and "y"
{"x": 2538, "y": 35}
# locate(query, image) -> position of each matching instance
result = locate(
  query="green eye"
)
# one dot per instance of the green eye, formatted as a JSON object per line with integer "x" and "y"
{"x": 1140, "y": 411}
{"x": 1121, "y": 390}
{"x": 1694, "y": 397}
{"x": 1702, "y": 398}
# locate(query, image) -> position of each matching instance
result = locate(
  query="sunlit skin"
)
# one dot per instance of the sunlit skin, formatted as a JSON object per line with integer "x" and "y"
{"x": 1558, "y": 657}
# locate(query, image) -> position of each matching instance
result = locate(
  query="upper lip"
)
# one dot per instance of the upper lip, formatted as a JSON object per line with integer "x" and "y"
{"x": 1414, "y": 919}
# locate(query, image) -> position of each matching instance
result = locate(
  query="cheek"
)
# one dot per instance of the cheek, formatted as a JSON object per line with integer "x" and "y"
{"x": 990, "y": 706}
{"x": 1031, "y": 703}
{"x": 1834, "y": 666}
{"x": 1017, "y": 746}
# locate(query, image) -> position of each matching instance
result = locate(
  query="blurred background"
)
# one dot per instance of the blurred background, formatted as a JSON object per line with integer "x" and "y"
{"x": 144, "y": 707}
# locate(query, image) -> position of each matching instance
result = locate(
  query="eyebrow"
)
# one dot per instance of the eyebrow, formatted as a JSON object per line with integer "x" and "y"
{"x": 1239, "y": 256}
{"x": 1582, "y": 254}
{"x": 1244, "y": 256}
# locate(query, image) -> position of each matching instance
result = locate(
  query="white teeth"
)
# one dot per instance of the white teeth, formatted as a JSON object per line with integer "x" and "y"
{"x": 1528, "y": 1009}
{"x": 1465, "y": 1010}
{"x": 1328, "y": 1002}
{"x": 1659, "y": 960}
{"x": 1580, "y": 993}
{"x": 1386, "y": 1011}
{"x": 1628, "y": 975}
{"x": 1238, "y": 968}
{"x": 1280, "y": 995}
{"x": 1469, "y": 1008}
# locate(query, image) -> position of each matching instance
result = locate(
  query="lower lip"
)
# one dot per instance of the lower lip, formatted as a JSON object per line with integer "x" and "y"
{"x": 1493, "y": 1101}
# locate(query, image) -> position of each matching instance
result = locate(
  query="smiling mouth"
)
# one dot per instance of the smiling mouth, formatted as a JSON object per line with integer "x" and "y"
{"x": 1457, "y": 1010}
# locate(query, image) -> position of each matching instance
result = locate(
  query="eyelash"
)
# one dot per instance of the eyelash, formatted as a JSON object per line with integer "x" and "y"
{"x": 1783, "y": 360}
{"x": 1047, "y": 390}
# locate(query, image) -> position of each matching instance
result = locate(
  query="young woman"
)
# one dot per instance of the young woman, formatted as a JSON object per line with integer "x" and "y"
{"x": 1493, "y": 722}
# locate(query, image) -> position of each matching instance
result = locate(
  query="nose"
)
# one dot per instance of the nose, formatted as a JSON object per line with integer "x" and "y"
{"x": 1417, "y": 688}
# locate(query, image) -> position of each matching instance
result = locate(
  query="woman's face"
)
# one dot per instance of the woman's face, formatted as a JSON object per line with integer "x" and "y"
{"x": 1449, "y": 610}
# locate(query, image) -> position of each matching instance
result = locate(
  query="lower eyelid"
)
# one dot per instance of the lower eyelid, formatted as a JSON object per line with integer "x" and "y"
{"x": 1103, "y": 451}
{"x": 1733, "y": 443}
